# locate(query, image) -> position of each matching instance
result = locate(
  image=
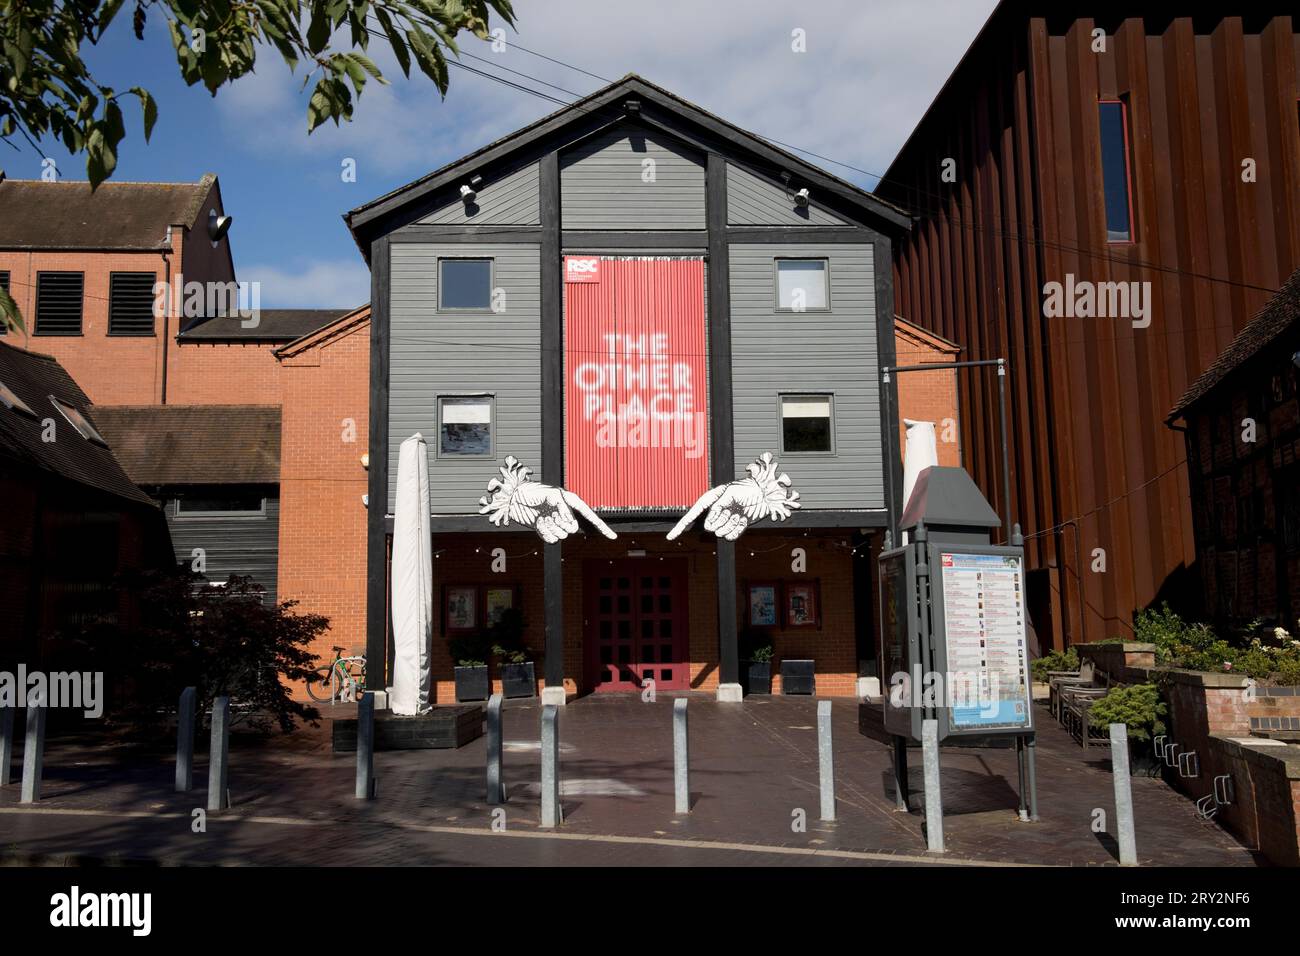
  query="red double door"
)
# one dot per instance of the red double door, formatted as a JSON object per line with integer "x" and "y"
{"x": 636, "y": 624}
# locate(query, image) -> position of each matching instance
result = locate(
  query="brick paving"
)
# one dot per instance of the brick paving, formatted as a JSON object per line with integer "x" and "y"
{"x": 753, "y": 766}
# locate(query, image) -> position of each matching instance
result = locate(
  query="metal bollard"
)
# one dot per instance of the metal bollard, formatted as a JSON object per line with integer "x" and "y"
{"x": 496, "y": 788}
{"x": 1123, "y": 794}
{"x": 826, "y": 759}
{"x": 219, "y": 756}
{"x": 552, "y": 811}
{"x": 6, "y": 744}
{"x": 34, "y": 751}
{"x": 185, "y": 741}
{"x": 366, "y": 747}
{"x": 681, "y": 759}
{"x": 933, "y": 798}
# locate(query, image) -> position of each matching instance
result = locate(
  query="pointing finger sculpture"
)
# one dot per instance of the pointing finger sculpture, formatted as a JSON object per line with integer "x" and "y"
{"x": 546, "y": 509}
{"x": 734, "y": 505}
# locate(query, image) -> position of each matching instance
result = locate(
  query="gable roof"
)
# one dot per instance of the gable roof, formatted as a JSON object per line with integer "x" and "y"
{"x": 195, "y": 444}
{"x": 326, "y": 333}
{"x": 609, "y": 103}
{"x": 274, "y": 325}
{"x": 34, "y": 378}
{"x": 1281, "y": 313}
{"x": 124, "y": 216}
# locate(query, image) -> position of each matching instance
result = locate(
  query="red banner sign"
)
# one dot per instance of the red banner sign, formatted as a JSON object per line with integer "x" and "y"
{"x": 636, "y": 391}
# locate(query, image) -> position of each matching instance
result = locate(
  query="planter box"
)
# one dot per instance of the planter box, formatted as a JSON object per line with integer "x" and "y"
{"x": 473, "y": 683}
{"x": 518, "y": 680}
{"x": 797, "y": 677}
{"x": 756, "y": 677}
{"x": 443, "y": 728}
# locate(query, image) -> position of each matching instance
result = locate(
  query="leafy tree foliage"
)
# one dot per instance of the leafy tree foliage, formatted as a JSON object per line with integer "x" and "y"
{"x": 224, "y": 641}
{"x": 47, "y": 89}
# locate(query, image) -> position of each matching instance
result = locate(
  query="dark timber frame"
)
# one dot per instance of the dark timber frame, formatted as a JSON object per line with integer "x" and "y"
{"x": 395, "y": 219}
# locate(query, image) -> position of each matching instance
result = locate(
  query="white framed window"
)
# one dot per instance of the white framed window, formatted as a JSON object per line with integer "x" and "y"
{"x": 465, "y": 285}
{"x": 803, "y": 285}
{"x": 465, "y": 426}
{"x": 79, "y": 421}
{"x": 807, "y": 424}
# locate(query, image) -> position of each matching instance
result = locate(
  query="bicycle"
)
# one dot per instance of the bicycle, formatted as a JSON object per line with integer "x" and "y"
{"x": 343, "y": 679}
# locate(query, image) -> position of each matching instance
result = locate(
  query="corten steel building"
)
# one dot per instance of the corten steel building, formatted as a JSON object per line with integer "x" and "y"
{"x": 633, "y": 261}
{"x": 1083, "y": 144}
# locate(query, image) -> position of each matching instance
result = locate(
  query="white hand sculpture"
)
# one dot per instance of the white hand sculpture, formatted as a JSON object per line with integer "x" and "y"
{"x": 734, "y": 505}
{"x": 546, "y": 509}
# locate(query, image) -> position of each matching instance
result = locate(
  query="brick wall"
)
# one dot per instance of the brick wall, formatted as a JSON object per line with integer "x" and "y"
{"x": 323, "y": 435}
{"x": 112, "y": 370}
{"x": 928, "y": 396}
{"x": 224, "y": 373}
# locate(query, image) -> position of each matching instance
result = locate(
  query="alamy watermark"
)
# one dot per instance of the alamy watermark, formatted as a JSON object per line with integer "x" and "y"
{"x": 1083, "y": 299}
{"x": 195, "y": 300}
{"x": 953, "y": 689}
{"x": 71, "y": 690}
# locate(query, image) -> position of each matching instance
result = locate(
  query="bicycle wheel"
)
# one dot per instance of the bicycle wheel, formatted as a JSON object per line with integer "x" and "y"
{"x": 320, "y": 685}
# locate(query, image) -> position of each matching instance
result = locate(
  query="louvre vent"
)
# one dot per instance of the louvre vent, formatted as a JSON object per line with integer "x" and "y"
{"x": 58, "y": 303}
{"x": 130, "y": 303}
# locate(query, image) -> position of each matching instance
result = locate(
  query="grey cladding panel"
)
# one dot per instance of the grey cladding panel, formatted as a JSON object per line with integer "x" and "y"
{"x": 602, "y": 184}
{"x": 754, "y": 201}
{"x": 433, "y": 354}
{"x": 244, "y": 546}
{"x": 511, "y": 200}
{"x": 812, "y": 352}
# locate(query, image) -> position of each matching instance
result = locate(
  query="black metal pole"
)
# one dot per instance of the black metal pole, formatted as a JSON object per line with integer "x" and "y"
{"x": 887, "y": 423}
{"x": 1006, "y": 459}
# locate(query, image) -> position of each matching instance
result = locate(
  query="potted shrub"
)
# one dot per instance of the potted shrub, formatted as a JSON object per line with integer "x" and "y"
{"x": 469, "y": 654}
{"x": 518, "y": 678}
{"x": 756, "y": 667}
{"x": 1139, "y": 707}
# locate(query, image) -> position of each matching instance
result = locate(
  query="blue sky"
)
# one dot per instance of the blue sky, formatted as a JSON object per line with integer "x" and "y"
{"x": 869, "y": 71}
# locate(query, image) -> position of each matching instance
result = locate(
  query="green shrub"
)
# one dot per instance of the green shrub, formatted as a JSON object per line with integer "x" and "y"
{"x": 1137, "y": 705}
{"x": 1055, "y": 661}
{"x": 469, "y": 650}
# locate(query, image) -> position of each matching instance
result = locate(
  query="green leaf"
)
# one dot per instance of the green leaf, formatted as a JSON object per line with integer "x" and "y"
{"x": 10, "y": 314}
{"x": 148, "y": 106}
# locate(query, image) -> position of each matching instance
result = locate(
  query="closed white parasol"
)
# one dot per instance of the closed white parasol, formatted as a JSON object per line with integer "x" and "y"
{"x": 412, "y": 577}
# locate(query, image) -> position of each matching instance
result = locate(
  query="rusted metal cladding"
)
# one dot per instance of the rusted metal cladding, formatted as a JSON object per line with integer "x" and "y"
{"x": 636, "y": 393}
{"x": 1098, "y": 478}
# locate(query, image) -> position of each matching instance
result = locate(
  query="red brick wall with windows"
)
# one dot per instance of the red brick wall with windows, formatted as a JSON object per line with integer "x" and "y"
{"x": 323, "y": 434}
{"x": 111, "y": 369}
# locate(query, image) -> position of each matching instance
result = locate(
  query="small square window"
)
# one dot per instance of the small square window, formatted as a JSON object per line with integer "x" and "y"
{"x": 465, "y": 426}
{"x": 801, "y": 285}
{"x": 465, "y": 285}
{"x": 806, "y": 423}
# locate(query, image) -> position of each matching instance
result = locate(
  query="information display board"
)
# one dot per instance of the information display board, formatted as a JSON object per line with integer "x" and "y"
{"x": 980, "y": 637}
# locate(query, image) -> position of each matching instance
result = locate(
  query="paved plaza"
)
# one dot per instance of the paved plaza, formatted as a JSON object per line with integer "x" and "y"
{"x": 753, "y": 767}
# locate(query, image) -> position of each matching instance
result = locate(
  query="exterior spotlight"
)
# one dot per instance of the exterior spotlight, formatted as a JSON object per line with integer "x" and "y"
{"x": 801, "y": 198}
{"x": 1295, "y": 359}
{"x": 218, "y": 226}
{"x": 467, "y": 194}
{"x": 365, "y": 460}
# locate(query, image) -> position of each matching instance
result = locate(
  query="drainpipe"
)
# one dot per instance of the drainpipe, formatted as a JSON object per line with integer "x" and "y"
{"x": 167, "y": 293}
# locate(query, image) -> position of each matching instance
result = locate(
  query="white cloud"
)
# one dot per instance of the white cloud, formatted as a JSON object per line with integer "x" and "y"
{"x": 869, "y": 72}
{"x": 309, "y": 284}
